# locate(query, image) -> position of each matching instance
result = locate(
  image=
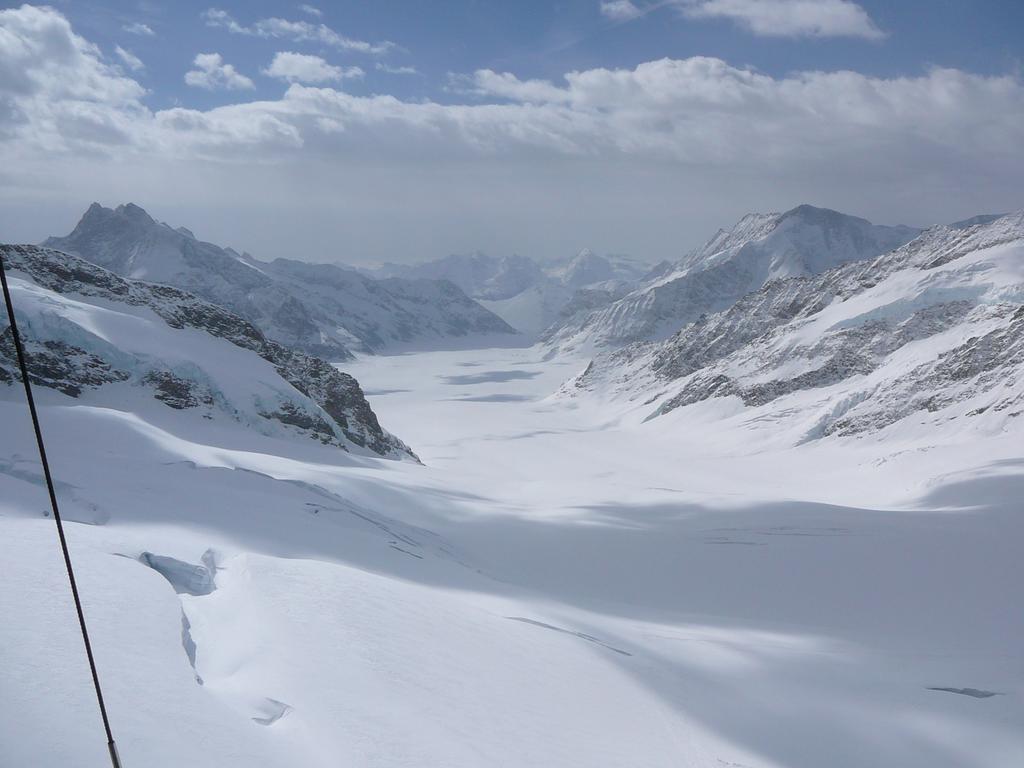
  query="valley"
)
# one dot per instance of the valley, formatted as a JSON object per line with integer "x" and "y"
{"x": 785, "y": 535}
{"x": 551, "y": 586}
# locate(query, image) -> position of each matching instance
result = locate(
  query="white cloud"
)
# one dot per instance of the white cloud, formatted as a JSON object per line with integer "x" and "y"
{"x": 403, "y": 70}
{"x": 301, "y": 68}
{"x": 312, "y": 10}
{"x": 698, "y": 110}
{"x": 486, "y": 82}
{"x": 644, "y": 157}
{"x": 297, "y": 31}
{"x": 620, "y": 10}
{"x": 703, "y": 111}
{"x": 217, "y": 17}
{"x": 133, "y": 62}
{"x": 138, "y": 28}
{"x": 790, "y": 18}
{"x": 56, "y": 91}
{"x": 213, "y": 74}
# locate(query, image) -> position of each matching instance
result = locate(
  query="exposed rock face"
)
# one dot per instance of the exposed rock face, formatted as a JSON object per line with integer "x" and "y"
{"x": 932, "y": 324}
{"x": 760, "y": 248}
{"x": 327, "y": 404}
{"x": 177, "y": 391}
{"x": 55, "y": 364}
{"x": 321, "y": 309}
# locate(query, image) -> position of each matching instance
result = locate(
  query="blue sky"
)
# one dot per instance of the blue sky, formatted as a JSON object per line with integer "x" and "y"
{"x": 537, "y": 39}
{"x": 368, "y": 131}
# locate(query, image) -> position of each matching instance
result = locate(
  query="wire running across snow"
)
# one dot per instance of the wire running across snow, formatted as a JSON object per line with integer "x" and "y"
{"x": 111, "y": 745}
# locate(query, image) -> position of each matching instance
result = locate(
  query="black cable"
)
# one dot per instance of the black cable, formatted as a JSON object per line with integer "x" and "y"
{"x": 111, "y": 746}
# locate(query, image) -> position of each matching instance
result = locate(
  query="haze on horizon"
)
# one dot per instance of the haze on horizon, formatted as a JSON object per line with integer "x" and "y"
{"x": 392, "y": 133}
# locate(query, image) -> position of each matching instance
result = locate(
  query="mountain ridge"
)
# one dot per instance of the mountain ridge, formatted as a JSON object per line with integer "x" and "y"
{"x": 85, "y": 327}
{"x": 761, "y": 247}
{"x": 931, "y": 325}
{"x": 527, "y": 294}
{"x": 286, "y": 301}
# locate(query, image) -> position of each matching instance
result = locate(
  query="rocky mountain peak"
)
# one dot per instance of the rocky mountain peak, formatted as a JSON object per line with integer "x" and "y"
{"x": 134, "y": 212}
{"x": 100, "y": 224}
{"x": 811, "y": 214}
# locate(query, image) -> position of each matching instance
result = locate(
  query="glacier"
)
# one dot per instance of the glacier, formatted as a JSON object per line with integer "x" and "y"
{"x": 785, "y": 535}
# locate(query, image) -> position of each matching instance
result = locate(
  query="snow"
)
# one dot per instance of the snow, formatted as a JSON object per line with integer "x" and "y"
{"x": 576, "y": 574}
{"x": 561, "y": 583}
{"x": 531, "y": 310}
{"x": 987, "y": 275}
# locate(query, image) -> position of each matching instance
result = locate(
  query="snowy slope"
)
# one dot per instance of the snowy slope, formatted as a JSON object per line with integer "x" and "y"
{"x": 551, "y": 589}
{"x": 96, "y": 337}
{"x": 531, "y": 310}
{"x": 587, "y": 269}
{"x": 931, "y": 334}
{"x": 323, "y": 309}
{"x": 761, "y": 247}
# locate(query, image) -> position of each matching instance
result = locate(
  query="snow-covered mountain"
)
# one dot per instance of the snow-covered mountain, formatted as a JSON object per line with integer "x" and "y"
{"x": 587, "y": 269}
{"x": 478, "y": 274}
{"x": 98, "y": 337}
{"x": 760, "y": 248}
{"x": 930, "y": 335}
{"x": 528, "y": 295}
{"x": 323, "y": 309}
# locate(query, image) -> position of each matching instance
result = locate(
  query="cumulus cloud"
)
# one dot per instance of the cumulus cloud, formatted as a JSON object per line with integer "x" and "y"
{"x": 790, "y": 18}
{"x": 133, "y": 62}
{"x": 620, "y": 10}
{"x": 297, "y": 31}
{"x": 311, "y": 10}
{"x": 302, "y": 68}
{"x": 505, "y": 85}
{"x": 138, "y": 28}
{"x": 56, "y": 90}
{"x": 213, "y": 74}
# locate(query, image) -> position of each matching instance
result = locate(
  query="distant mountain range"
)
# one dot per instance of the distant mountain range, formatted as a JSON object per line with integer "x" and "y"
{"x": 323, "y": 309}
{"x": 844, "y": 325}
{"x": 527, "y": 294}
{"x": 760, "y": 248}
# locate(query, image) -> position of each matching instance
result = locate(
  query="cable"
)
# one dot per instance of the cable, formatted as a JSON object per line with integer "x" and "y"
{"x": 111, "y": 746}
